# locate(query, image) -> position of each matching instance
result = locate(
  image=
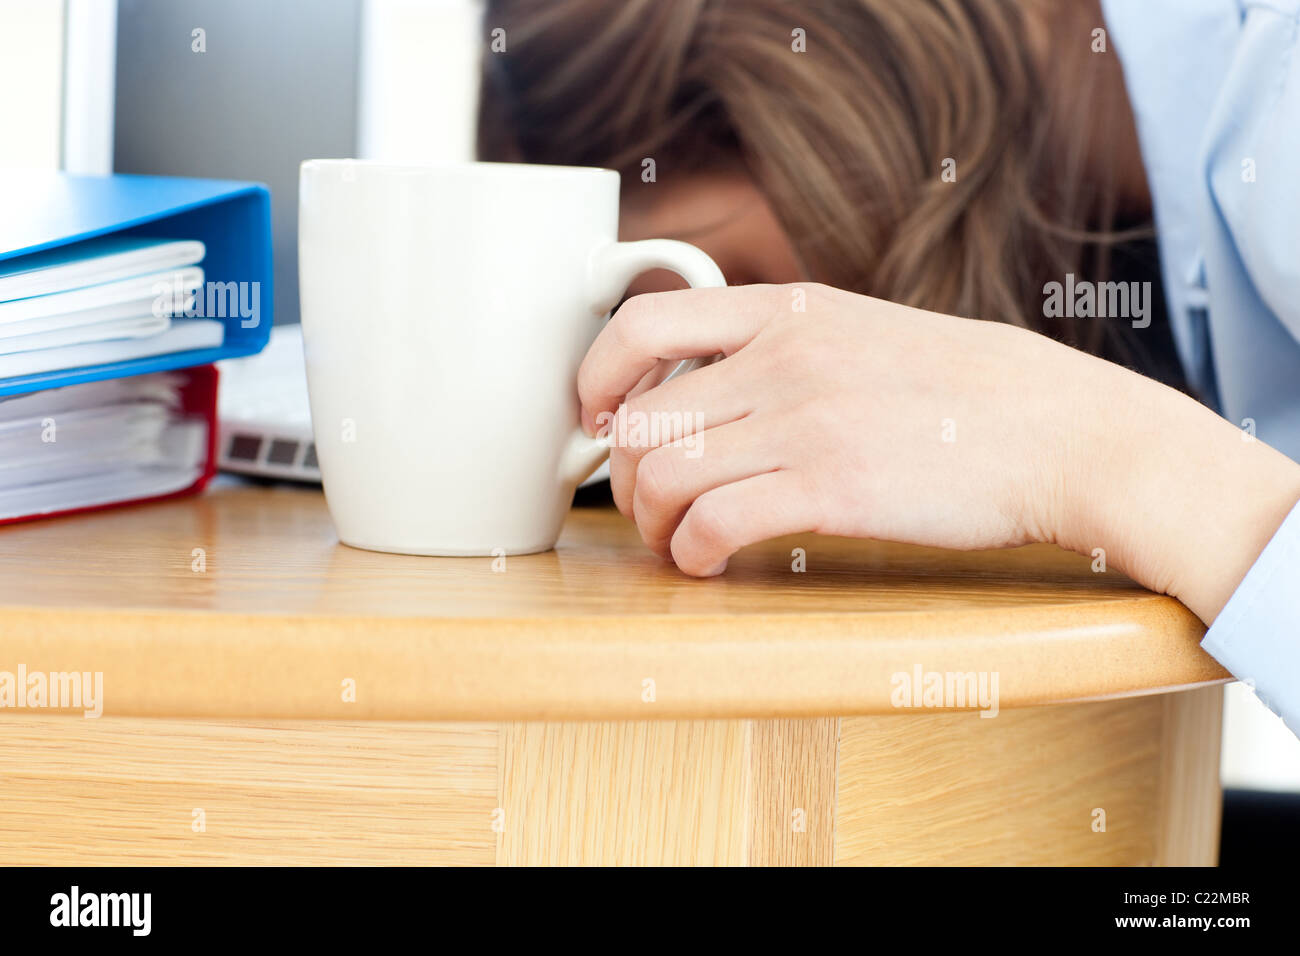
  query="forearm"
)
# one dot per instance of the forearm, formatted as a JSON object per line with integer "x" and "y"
{"x": 1181, "y": 500}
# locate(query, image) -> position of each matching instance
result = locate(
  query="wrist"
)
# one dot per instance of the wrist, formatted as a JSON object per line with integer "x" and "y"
{"x": 1178, "y": 498}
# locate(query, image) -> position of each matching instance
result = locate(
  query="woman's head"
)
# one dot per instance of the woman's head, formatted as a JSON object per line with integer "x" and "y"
{"x": 902, "y": 148}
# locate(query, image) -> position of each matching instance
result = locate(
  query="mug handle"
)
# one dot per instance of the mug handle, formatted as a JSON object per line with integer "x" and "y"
{"x": 611, "y": 267}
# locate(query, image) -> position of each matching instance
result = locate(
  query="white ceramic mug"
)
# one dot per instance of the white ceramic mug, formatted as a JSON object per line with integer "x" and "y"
{"x": 445, "y": 312}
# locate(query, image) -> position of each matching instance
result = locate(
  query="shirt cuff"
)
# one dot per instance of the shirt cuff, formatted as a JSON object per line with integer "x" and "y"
{"x": 1257, "y": 634}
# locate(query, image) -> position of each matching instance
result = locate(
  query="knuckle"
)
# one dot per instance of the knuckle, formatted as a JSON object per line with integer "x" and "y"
{"x": 820, "y": 419}
{"x": 792, "y": 353}
{"x": 656, "y": 481}
{"x": 708, "y": 525}
{"x": 776, "y": 298}
{"x": 633, "y": 324}
{"x": 822, "y": 293}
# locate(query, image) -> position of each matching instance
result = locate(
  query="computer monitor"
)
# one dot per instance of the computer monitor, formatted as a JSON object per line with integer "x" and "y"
{"x": 264, "y": 85}
{"x": 238, "y": 89}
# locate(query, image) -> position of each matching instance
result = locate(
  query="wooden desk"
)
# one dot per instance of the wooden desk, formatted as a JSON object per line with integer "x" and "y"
{"x": 271, "y": 696}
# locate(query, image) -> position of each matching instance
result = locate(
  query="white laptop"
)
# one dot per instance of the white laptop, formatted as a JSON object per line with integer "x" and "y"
{"x": 264, "y": 420}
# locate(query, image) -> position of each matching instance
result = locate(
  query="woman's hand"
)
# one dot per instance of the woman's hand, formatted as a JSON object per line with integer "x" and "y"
{"x": 840, "y": 414}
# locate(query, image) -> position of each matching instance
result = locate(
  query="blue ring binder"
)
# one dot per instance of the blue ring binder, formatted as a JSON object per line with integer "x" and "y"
{"x": 46, "y": 210}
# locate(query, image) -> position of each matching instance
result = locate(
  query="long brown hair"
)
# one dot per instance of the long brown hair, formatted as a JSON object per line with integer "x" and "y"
{"x": 848, "y": 139}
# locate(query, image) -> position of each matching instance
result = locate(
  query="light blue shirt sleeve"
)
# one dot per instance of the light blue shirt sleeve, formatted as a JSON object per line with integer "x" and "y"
{"x": 1257, "y": 634}
{"x": 1215, "y": 89}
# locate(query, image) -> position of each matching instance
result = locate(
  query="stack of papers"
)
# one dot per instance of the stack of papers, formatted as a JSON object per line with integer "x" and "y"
{"x": 103, "y": 300}
{"x": 97, "y": 443}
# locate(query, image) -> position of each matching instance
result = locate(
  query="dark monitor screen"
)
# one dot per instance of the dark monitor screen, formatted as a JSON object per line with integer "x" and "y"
{"x": 265, "y": 85}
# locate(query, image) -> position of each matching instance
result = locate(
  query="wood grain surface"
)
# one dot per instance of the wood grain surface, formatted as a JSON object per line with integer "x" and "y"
{"x": 1132, "y": 781}
{"x": 137, "y": 791}
{"x": 242, "y": 604}
{"x": 1042, "y": 786}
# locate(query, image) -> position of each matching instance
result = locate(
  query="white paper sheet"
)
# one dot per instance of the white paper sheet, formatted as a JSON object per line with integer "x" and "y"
{"x": 97, "y": 443}
{"x": 93, "y": 262}
{"x": 184, "y": 335}
{"x": 165, "y": 287}
{"x": 136, "y": 327}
